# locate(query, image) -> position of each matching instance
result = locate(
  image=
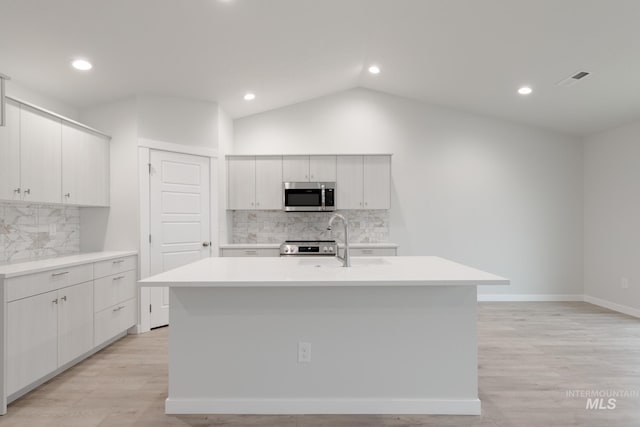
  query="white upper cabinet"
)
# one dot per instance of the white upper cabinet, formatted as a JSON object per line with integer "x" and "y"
{"x": 363, "y": 182}
{"x": 322, "y": 168}
{"x": 295, "y": 168}
{"x": 309, "y": 168}
{"x": 349, "y": 183}
{"x": 85, "y": 167}
{"x": 40, "y": 156}
{"x": 10, "y": 154}
{"x": 241, "y": 183}
{"x": 377, "y": 182}
{"x": 269, "y": 183}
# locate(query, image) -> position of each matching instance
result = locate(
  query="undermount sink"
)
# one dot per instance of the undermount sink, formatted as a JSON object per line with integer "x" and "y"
{"x": 333, "y": 262}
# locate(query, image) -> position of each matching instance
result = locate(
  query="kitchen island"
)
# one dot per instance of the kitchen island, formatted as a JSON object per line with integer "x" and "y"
{"x": 389, "y": 335}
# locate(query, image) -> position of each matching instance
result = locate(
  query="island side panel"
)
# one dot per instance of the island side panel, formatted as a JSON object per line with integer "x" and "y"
{"x": 373, "y": 350}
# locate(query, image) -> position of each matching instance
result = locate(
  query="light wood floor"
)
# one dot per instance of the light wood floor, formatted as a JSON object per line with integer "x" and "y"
{"x": 530, "y": 355}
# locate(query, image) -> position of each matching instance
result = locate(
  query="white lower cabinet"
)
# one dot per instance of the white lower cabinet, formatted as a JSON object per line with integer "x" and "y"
{"x": 54, "y": 317}
{"x": 75, "y": 322}
{"x": 249, "y": 252}
{"x": 47, "y": 331}
{"x": 32, "y": 339}
{"x": 113, "y": 320}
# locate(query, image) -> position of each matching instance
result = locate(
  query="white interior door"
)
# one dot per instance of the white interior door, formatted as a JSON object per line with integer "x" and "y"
{"x": 179, "y": 219}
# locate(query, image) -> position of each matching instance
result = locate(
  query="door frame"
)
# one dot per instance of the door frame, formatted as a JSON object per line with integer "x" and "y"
{"x": 144, "y": 155}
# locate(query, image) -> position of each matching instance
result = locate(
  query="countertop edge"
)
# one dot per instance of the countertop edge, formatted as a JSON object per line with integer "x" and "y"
{"x": 31, "y": 267}
{"x": 325, "y": 284}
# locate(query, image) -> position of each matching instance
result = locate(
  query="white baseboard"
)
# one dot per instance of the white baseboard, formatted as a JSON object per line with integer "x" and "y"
{"x": 526, "y": 297}
{"x": 613, "y": 306}
{"x": 323, "y": 406}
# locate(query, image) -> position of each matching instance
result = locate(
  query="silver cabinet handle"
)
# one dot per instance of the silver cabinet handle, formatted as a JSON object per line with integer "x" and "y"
{"x": 251, "y": 252}
{"x": 55, "y": 301}
{"x": 64, "y": 298}
{"x": 118, "y": 308}
{"x": 67, "y": 195}
{"x": 59, "y": 274}
{"x": 27, "y": 191}
{"x": 118, "y": 261}
{"x": 17, "y": 191}
{"x": 118, "y": 278}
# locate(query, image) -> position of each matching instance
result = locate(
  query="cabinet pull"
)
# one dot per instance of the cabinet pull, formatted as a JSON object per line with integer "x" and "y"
{"x": 27, "y": 191}
{"x": 118, "y": 278}
{"x": 118, "y": 261}
{"x": 55, "y": 301}
{"x": 59, "y": 274}
{"x": 17, "y": 191}
{"x": 251, "y": 252}
{"x": 64, "y": 298}
{"x": 67, "y": 195}
{"x": 118, "y": 308}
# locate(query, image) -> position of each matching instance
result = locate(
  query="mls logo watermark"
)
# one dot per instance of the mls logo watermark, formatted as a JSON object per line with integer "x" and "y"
{"x": 606, "y": 400}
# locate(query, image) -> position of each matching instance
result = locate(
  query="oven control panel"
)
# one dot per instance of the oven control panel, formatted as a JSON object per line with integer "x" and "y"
{"x": 307, "y": 247}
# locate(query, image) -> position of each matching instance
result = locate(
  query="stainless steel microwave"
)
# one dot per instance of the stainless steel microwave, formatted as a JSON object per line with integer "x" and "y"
{"x": 309, "y": 196}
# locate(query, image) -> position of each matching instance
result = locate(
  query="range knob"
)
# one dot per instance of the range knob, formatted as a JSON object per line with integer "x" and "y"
{"x": 325, "y": 249}
{"x": 331, "y": 248}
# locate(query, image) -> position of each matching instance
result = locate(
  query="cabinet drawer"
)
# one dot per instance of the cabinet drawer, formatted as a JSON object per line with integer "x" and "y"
{"x": 370, "y": 251}
{"x": 38, "y": 283}
{"x": 114, "y": 320}
{"x": 226, "y": 252}
{"x": 113, "y": 289}
{"x": 114, "y": 266}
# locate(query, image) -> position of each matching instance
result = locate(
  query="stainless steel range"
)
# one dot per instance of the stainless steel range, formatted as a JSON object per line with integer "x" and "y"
{"x": 309, "y": 247}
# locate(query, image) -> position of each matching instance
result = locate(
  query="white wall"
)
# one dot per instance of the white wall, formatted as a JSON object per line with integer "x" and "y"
{"x": 178, "y": 120}
{"x": 495, "y": 195}
{"x": 225, "y": 146}
{"x": 115, "y": 228}
{"x": 161, "y": 119}
{"x": 612, "y": 217}
{"x": 23, "y": 93}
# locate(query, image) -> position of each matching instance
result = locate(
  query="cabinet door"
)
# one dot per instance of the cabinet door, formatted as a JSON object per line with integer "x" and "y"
{"x": 322, "y": 168}
{"x": 349, "y": 182}
{"x": 269, "y": 183}
{"x": 75, "y": 321}
{"x": 377, "y": 182}
{"x": 32, "y": 339}
{"x": 241, "y": 183}
{"x": 40, "y": 156}
{"x": 85, "y": 167}
{"x": 295, "y": 168}
{"x": 10, "y": 154}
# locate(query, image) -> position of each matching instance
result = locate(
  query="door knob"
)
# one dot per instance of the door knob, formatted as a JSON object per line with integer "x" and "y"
{"x": 206, "y": 244}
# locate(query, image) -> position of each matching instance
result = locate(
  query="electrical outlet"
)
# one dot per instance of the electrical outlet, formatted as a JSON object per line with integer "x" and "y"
{"x": 304, "y": 352}
{"x": 624, "y": 283}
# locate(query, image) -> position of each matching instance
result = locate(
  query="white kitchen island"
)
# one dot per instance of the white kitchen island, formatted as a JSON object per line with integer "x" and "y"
{"x": 389, "y": 335}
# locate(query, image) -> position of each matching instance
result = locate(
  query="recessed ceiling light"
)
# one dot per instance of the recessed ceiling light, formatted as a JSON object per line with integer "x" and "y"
{"x": 81, "y": 64}
{"x": 374, "y": 69}
{"x": 249, "y": 96}
{"x": 525, "y": 90}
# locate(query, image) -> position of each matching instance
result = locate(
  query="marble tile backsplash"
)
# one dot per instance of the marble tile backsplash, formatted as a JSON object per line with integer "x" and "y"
{"x": 366, "y": 226}
{"x": 30, "y": 232}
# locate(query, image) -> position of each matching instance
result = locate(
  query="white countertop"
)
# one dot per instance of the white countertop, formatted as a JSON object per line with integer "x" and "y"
{"x": 30, "y": 267}
{"x": 323, "y": 271}
{"x": 277, "y": 245}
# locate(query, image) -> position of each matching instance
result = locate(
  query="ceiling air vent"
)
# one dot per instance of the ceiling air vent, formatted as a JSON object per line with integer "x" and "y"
{"x": 573, "y": 79}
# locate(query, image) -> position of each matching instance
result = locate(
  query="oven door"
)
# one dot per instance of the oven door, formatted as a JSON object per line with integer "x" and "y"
{"x": 306, "y": 197}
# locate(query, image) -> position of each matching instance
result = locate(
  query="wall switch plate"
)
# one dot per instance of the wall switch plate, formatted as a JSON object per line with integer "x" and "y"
{"x": 624, "y": 283}
{"x": 304, "y": 352}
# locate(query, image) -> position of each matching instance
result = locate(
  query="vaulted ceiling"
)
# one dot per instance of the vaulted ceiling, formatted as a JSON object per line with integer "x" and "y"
{"x": 468, "y": 54}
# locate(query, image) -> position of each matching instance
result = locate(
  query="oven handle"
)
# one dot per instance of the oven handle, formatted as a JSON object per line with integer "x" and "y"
{"x": 322, "y": 195}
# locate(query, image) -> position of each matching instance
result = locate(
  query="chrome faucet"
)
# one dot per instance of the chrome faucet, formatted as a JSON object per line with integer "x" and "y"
{"x": 346, "y": 259}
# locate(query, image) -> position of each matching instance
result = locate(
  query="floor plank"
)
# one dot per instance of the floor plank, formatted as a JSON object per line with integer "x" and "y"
{"x": 530, "y": 356}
